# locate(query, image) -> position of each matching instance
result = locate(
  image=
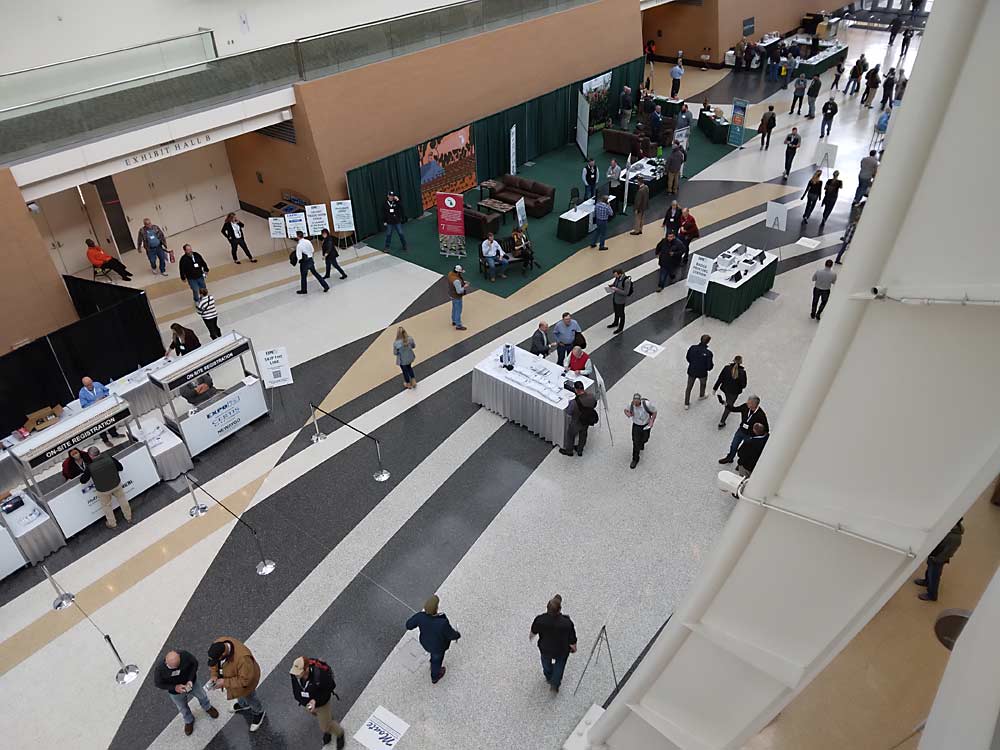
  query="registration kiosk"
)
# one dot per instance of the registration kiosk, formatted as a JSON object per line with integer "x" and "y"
{"x": 74, "y": 505}
{"x": 212, "y": 392}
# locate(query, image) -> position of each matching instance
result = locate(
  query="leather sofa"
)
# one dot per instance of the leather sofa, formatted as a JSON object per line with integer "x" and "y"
{"x": 478, "y": 224}
{"x": 623, "y": 142}
{"x": 539, "y": 199}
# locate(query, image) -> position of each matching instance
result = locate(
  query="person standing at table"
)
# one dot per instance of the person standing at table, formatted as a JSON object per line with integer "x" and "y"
{"x": 602, "y": 215}
{"x": 313, "y": 688}
{"x": 233, "y": 668}
{"x": 750, "y": 414}
{"x": 565, "y": 332}
{"x": 402, "y": 348}
{"x": 582, "y": 414}
{"x": 493, "y": 255}
{"x": 655, "y": 125}
{"x": 541, "y": 344}
{"x": 792, "y": 143}
{"x": 830, "y": 193}
{"x": 329, "y": 248}
{"x": 812, "y": 93}
{"x": 614, "y": 175}
{"x": 393, "y": 218}
{"x": 106, "y": 470}
{"x": 866, "y": 175}
{"x": 700, "y": 363}
{"x": 674, "y": 163}
{"x": 625, "y": 107}
{"x": 151, "y": 240}
{"x": 556, "y": 641}
{"x": 798, "y": 92}
{"x": 100, "y": 259}
{"x": 458, "y": 287}
{"x": 304, "y": 252}
{"x": 830, "y": 110}
{"x": 232, "y": 230}
{"x": 193, "y": 270}
{"x": 812, "y": 193}
{"x": 676, "y": 73}
{"x": 823, "y": 281}
{"x": 436, "y": 635}
{"x": 684, "y": 118}
{"x": 209, "y": 314}
{"x": 589, "y": 178}
{"x": 91, "y": 392}
{"x": 183, "y": 340}
{"x": 620, "y": 289}
{"x": 177, "y": 674}
{"x": 768, "y": 121}
{"x": 640, "y": 204}
{"x": 732, "y": 381}
{"x": 643, "y": 415}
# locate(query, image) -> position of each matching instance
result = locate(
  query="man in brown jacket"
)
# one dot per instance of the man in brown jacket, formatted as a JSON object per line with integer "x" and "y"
{"x": 640, "y": 205}
{"x": 233, "y": 667}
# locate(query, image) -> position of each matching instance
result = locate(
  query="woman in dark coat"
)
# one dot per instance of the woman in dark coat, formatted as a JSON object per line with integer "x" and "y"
{"x": 184, "y": 339}
{"x": 732, "y": 381}
{"x": 329, "y": 247}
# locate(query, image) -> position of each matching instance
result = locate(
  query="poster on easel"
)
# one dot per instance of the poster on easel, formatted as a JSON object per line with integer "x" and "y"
{"x": 317, "y": 219}
{"x": 296, "y": 223}
{"x": 451, "y": 224}
{"x": 522, "y": 213}
{"x": 826, "y": 155}
{"x": 343, "y": 216}
{"x": 777, "y": 216}
{"x": 277, "y": 226}
{"x": 737, "y": 122}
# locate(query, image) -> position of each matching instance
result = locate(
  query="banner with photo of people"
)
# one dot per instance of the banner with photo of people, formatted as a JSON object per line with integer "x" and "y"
{"x": 598, "y": 90}
{"x": 447, "y": 165}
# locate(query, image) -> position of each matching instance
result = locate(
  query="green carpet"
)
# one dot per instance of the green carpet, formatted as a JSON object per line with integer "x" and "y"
{"x": 560, "y": 168}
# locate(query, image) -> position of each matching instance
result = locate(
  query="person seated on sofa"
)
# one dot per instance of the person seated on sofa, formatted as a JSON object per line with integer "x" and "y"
{"x": 493, "y": 254}
{"x": 522, "y": 248}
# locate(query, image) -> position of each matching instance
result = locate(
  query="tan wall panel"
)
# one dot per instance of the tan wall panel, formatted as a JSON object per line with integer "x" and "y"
{"x": 683, "y": 27}
{"x": 282, "y": 165}
{"x": 34, "y": 296}
{"x": 769, "y": 15}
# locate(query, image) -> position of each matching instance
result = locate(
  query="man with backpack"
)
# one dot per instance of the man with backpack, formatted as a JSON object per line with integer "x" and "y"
{"x": 313, "y": 686}
{"x": 621, "y": 288}
{"x": 582, "y": 415}
{"x": 643, "y": 415}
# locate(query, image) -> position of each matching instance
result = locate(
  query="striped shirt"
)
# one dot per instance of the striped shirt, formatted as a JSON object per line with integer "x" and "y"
{"x": 206, "y": 308}
{"x": 603, "y": 212}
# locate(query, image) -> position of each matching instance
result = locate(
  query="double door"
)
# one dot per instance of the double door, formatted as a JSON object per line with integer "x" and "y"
{"x": 64, "y": 224}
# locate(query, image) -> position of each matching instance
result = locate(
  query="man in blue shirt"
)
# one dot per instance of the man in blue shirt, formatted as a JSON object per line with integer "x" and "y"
{"x": 436, "y": 634}
{"x": 564, "y": 333}
{"x": 92, "y": 392}
{"x": 676, "y": 73}
{"x": 602, "y": 212}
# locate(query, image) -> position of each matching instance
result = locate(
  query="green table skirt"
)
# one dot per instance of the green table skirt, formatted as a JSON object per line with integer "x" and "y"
{"x": 726, "y": 303}
{"x": 823, "y": 65}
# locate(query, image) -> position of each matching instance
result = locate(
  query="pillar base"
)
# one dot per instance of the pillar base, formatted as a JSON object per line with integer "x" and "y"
{"x": 578, "y": 740}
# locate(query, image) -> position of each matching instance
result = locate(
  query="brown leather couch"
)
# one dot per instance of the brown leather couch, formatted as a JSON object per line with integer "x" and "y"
{"x": 478, "y": 224}
{"x": 539, "y": 199}
{"x": 623, "y": 142}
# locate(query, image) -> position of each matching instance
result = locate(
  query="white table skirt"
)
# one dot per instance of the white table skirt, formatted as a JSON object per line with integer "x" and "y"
{"x": 168, "y": 451}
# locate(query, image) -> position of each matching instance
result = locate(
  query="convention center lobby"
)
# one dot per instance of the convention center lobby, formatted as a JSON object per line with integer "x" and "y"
{"x": 635, "y": 404}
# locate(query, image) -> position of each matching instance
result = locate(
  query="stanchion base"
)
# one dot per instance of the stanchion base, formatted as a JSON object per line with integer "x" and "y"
{"x": 317, "y": 437}
{"x": 197, "y": 511}
{"x": 382, "y": 475}
{"x": 266, "y": 567}
{"x": 63, "y": 601}
{"x": 127, "y": 674}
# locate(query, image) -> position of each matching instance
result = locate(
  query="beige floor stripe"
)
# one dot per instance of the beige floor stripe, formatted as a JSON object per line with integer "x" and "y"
{"x": 693, "y": 84}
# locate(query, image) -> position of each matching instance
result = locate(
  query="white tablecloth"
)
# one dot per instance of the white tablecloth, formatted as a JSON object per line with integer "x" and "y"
{"x": 734, "y": 262}
{"x": 531, "y": 396}
{"x": 34, "y": 530}
{"x": 168, "y": 451}
{"x": 135, "y": 388}
{"x": 10, "y": 474}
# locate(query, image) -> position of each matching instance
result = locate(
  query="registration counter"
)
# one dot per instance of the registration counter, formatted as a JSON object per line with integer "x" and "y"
{"x": 210, "y": 393}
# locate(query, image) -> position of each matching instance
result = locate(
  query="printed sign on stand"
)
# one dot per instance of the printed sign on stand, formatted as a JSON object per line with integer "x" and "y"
{"x": 522, "y": 213}
{"x": 275, "y": 368}
{"x": 277, "y": 226}
{"x": 737, "y": 122}
{"x": 317, "y": 219}
{"x": 343, "y": 216}
{"x": 296, "y": 223}
{"x": 381, "y": 730}
{"x": 777, "y": 216}
{"x": 451, "y": 224}
{"x": 826, "y": 155}
{"x": 699, "y": 273}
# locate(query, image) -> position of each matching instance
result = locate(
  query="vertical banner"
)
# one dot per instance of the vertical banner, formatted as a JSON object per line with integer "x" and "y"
{"x": 513, "y": 149}
{"x": 582, "y": 122}
{"x": 522, "y": 213}
{"x": 343, "y": 216}
{"x": 296, "y": 223}
{"x": 628, "y": 168}
{"x": 451, "y": 224}
{"x": 277, "y": 226}
{"x": 737, "y": 122}
{"x": 317, "y": 219}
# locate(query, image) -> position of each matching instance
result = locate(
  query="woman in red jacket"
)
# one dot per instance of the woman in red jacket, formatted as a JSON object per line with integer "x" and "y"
{"x": 688, "y": 232}
{"x": 75, "y": 463}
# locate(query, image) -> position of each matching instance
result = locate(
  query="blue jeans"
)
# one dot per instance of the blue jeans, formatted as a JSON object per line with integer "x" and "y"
{"x": 933, "y": 578}
{"x": 181, "y": 701}
{"x": 812, "y": 105}
{"x": 561, "y": 351}
{"x": 398, "y": 229}
{"x": 195, "y": 285}
{"x": 253, "y": 703}
{"x": 407, "y": 373}
{"x": 456, "y": 311}
{"x": 437, "y": 662}
{"x": 588, "y": 191}
{"x": 863, "y": 184}
{"x": 665, "y": 272}
{"x": 824, "y": 127}
{"x": 157, "y": 253}
{"x": 738, "y": 439}
{"x": 492, "y": 261}
{"x": 600, "y": 234}
{"x": 553, "y": 669}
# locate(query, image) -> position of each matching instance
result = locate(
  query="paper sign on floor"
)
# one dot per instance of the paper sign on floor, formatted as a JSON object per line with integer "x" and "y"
{"x": 806, "y": 242}
{"x": 649, "y": 349}
{"x": 381, "y": 730}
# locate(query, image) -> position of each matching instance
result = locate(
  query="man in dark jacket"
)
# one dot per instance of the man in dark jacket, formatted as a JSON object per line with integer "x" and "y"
{"x": 625, "y": 107}
{"x": 436, "y": 634}
{"x": 393, "y": 217}
{"x": 830, "y": 110}
{"x": 811, "y": 94}
{"x": 193, "y": 269}
{"x": 556, "y": 641}
{"x": 581, "y": 410}
{"x": 312, "y": 688}
{"x": 674, "y": 163}
{"x": 541, "y": 343}
{"x": 750, "y": 414}
{"x": 106, "y": 470}
{"x": 732, "y": 380}
{"x": 894, "y": 26}
{"x": 669, "y": 252}
{"x": 749, "y": 453}
{"x": 178, "y": 675}
{"x": 699, "y": 359}
{"x": 939, "y": 557}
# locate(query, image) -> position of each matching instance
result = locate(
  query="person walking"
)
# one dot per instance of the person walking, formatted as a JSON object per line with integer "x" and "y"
{"x": 328, "y": 246}
{"x": 798, "y": 93}
{"x": 732, "y": 381}
{"x": 676, "y": 73}
{"x": 700, "y": 363}
{"x": 866, "y": 175}
{"x": 177, "y": 674}
{"x": 907, "y": 38}
{"x": 672, "y": 218}
{"x": 541, "y": 343}
{"x": 939, "y": 557}
{"x": 193, "y": 270}
{"x": 458, "y": 287}
{"x": 402, "y": 348}
{"x": 565, "y": 333}
{"x": 792, "y": 143}
{"x": 854, "y": 79}
{"x": 313, "y": 688}
{"x": 872, "y": 81}
{"x": 768, "y": 121}
{"x": 749, "y": 452}
{"x": 812, "y": 193}
{"x": 830, "y": 192}
{"x": 100, "y": 259}
{"x": 625, "y": 107}
{"x": 852, "y": 226}
{"x": 582, "y": 411}
{"x": 209, "y": 313}
{"x": 823, "y": 280}
{"x": 830, "y": 110}
{"x": 304, "y": 252}
{"x": 393, "y": 217}
{"x": 750, "y": 414}
{"x": 232, "y": 230}
{"x": 234, "y": 669}
{"x": 602, "y": 214}
{"x": 888, "y": 87}
{"x": 669, "y": 254}
{"x": 640, "y": 204}
{"x": 436, "y": 635}
{"x": 182, "y": 340}
{"x": 151, "y": 240}
{"x": 556, "y": 641}
{"x": 815, "y": 86}
{"x": 643, "y": 415}
{"x": 589, "y": 177}
{"x": 688, "y": 233}
{"x": 894, "y": 26}
{"x": 620, "y": 289}
{"x": 106, "y": 471}
{"x": 674, "y": 163}
{"x": 837, "y": 75}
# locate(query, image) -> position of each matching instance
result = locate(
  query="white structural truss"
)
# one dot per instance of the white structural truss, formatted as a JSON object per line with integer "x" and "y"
{"x": 889, "y": 435}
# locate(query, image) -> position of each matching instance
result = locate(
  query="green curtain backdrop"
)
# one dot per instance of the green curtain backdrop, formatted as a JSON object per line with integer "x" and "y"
{"x": 368, "y": 186}
{"x": 627, "y": 74}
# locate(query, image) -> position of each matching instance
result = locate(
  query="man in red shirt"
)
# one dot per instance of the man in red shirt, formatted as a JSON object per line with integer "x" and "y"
{"x": 100, "y": 259}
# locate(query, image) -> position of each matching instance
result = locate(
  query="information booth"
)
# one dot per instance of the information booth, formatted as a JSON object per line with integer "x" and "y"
{"x": 211, "y": 393}
{"x": 74, "y": 505}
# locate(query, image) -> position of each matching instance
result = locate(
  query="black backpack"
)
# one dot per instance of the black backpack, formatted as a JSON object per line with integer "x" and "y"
{"x": 588, "y": 416}
{"x": 322, "y": 666}
{"x": 631, "y": 286}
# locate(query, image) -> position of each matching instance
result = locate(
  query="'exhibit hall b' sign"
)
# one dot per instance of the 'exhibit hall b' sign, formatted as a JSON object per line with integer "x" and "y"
{"x": 451, "y": 223}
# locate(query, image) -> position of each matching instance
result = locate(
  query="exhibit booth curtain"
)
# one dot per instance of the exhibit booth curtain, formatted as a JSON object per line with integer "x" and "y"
{"x": 627, "y": 74}
{"x": 368, "y": 186}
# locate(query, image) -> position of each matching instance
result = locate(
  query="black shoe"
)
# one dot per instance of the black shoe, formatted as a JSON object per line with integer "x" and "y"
{"x": 726, "y": 460}
{"x": 236, "y": 262}
{"x": 920, "y": 581}
{"x": 326, "y": 289}
{"x": 812, "y": 315}
{"x": 326, "y": 738}
{"x": 343, "y": 276}
{"x": 565, "y": 452}
{"x": 926, "y": 598}
{"x": 633, "y": 464}
{"x": 817, "y": 317}
{"x": 327, "y": 276}
{"x": 253, "y": 260}
{"x": 340, "y": 742}
{"x": 611, "y": 326}
{"x": 722, "y": 425}
{"x": 579, "y": 452}
{"x": 301, "y": 292}
{"x": 238, "y": 707}
{"x": 619, "y": 330}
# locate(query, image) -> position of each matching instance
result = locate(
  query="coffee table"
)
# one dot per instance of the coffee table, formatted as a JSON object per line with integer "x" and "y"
{"x": 499, "y": 206}
{"x": 491, "y": 185}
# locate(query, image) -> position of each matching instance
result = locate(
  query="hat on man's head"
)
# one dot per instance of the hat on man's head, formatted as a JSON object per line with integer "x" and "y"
{"x": 298, "y": 667}
{"x": 459, "y": 269}
{"x": 431, "y": 605}
{"x": 636, "y": 396}
{"x": 391, "y": 192}
{"x": 215, "y": 653}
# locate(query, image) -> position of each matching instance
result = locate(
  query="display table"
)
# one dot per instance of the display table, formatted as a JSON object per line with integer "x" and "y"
{"x": 715, "y": 128}
{"x": 578, "y": 222}
{"x": 727, "y": 299}
{"x": 11, "y": 559}
{"x": 33, "y": 530}
{"x": 135, "y": 388}
{"x": 532, "y": 395}
{"x": 829, "y": 55}
{"x": 168, "y": 451}
{"x": 668, "y": 107}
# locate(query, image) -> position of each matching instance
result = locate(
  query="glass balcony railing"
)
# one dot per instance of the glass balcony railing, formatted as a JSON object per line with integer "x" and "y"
{"x": 46, "y": 109}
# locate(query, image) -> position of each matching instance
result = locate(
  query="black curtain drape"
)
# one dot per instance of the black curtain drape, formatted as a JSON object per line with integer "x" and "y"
{"x": 30, "y": 379}
{"x": 369, "y": 185}
{"x": 90, "y": 297}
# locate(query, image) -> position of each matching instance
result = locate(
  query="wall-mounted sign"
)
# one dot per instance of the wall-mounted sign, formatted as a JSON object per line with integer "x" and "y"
{"x": 748, "y": 26}
{"x": 165, "y": 150}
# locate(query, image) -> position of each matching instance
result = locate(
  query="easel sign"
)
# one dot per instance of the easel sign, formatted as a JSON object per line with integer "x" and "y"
{"x": 277, "y": 226}
{"x": 777, "y": 216}
{"x": 296, "y": 223}
{"x": 275, "y": 369}
{"x": 699, "y": 273}
{"x": 826, "y": 155}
